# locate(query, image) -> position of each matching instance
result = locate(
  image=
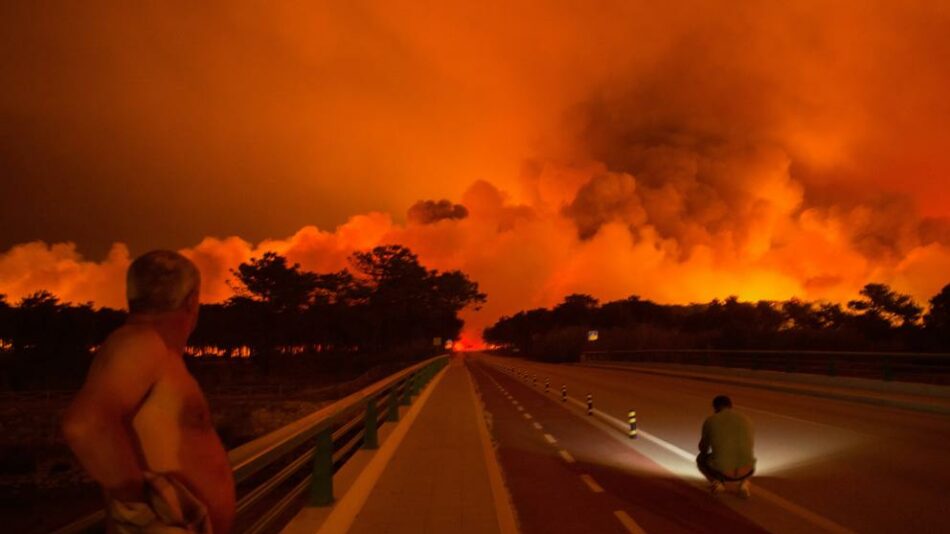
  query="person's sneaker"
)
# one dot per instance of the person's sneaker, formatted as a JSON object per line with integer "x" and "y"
{"x": 744, "y": 490}
{"x": 716, "y": 487}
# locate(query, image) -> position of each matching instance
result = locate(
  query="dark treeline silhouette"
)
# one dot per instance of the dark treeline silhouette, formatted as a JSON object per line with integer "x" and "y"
{"x": 385, "y": 307}
{"x": 43, "y": 341}
{"x": 880, "y": 319}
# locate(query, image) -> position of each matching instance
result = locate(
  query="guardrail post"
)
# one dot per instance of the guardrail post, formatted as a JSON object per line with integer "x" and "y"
{"x": 407, "y": 391}
{"x": 393, "y": 415}
{"x": 321, "y": 486}
{"x": 416, "y": 384}
{"x": 370, "y": 436}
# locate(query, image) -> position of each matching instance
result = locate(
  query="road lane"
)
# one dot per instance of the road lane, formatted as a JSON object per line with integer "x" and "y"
{"x": 559, "y": 480}
{"x": 868, "y": 468}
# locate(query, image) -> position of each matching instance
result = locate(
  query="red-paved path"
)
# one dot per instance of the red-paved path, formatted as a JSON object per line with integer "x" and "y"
{"x": 548, "y": 492}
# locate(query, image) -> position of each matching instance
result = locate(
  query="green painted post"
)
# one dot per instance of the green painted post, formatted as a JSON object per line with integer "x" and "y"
{"x": 370, "y": 437}
{"x": 393, "y": 406}
{"x": 321, "y": 487}
{"x": 416, "y": 384}
{"x": 407, "y": 392}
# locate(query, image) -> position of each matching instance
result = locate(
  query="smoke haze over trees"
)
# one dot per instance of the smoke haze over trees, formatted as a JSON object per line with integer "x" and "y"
{"x": 766, "y": 150}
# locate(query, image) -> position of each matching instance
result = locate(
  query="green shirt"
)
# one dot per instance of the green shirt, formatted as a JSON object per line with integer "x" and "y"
{"x": 730, "y": 435}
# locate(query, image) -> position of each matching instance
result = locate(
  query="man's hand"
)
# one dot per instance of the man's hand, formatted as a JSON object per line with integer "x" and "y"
{"x": 97, "y": 425}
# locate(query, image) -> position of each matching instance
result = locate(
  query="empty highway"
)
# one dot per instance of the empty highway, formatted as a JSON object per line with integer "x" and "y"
{"x": 823, "y": 465}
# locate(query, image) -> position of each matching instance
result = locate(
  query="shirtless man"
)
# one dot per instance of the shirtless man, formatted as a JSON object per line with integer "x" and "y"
{"x": 140, "y": 412}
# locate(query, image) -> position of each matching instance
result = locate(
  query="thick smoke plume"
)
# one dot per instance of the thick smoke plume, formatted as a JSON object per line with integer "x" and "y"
{"x": 678, "y": 153}
{"x": 431, "y": 211}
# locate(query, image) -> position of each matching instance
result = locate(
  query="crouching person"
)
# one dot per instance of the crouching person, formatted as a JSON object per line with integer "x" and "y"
{"x": 725, "y": 450}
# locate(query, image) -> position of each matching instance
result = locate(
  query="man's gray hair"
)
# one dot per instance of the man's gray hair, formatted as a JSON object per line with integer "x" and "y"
{"x": 160, "y": 281}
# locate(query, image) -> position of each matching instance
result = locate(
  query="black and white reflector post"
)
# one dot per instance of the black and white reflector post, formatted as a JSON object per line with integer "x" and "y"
{"x": 590, "y": 404}
{"x": 632, "y": 419}
{"x": 564, "y": 393}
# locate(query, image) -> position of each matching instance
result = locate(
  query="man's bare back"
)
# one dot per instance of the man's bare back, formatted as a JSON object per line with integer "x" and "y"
{"x": 176, "y": 435}
{"x": 137, "y": 378}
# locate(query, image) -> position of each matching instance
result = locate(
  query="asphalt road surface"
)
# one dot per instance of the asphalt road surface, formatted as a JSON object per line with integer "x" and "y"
{"x": 823, "y": 465}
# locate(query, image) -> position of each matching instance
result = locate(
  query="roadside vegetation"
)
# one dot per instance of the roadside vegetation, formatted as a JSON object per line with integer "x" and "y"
{"x": 879, "y": 319}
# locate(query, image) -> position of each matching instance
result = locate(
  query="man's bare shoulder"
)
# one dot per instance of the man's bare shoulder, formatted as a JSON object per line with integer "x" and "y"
{"x": 133, "y": 341}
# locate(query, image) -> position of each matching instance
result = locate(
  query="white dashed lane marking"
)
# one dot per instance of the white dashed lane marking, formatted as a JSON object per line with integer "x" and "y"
{"x": 550, "y": 439}
{"x": 592, "y": 484}
{"x": 566, "y": 455}
{"x": 628, "y": 522}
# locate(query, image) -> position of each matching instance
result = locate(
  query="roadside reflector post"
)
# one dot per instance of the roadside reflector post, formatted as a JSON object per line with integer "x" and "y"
{"x": 321, "y": 486}
{"x": 370, "y": 437}
{"x": 564, "y": 393}
{"x": 547, "y": 384}
{"x": 590, "y": 404}
{"x": 534, "y": 380}
{"x": 632, "y": 418}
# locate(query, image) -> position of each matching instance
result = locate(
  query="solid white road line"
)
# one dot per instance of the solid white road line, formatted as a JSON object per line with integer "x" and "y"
{"x": 592, "y": 484}
{"x": 628, "y": 522}
{"x": 505, "y": 514}
{"x": 802, "y": 512}
{"x": 550, "y": 439}
{"x": 566, "y": 455}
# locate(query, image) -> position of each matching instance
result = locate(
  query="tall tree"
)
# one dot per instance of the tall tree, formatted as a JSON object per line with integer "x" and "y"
{"x": 938, "y": 318}
{"x": 284, "y": 288}
{"x": 879, "y": 301}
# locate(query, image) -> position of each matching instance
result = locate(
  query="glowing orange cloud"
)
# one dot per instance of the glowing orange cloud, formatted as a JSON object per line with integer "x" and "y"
{"x": 678, "y": 153}
{"x": 533, "y": 255}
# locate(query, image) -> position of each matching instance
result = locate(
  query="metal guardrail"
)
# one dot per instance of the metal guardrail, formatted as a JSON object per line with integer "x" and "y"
{"x": 931, "y": 368}
{"x": 275, "y": 471}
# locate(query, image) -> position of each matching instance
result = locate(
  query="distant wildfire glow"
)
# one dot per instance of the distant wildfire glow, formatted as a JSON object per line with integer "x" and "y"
{"x": 677, "y": 154}
{"x": 532, "y": 255}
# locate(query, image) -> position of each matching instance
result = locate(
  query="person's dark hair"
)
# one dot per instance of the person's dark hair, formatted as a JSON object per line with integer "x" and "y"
{"x": 722, "y": 401}
{"x": 160, "y": 281}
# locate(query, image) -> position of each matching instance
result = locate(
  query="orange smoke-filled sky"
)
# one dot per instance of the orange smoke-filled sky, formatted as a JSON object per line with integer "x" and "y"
{"x": 680, "y": 152}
